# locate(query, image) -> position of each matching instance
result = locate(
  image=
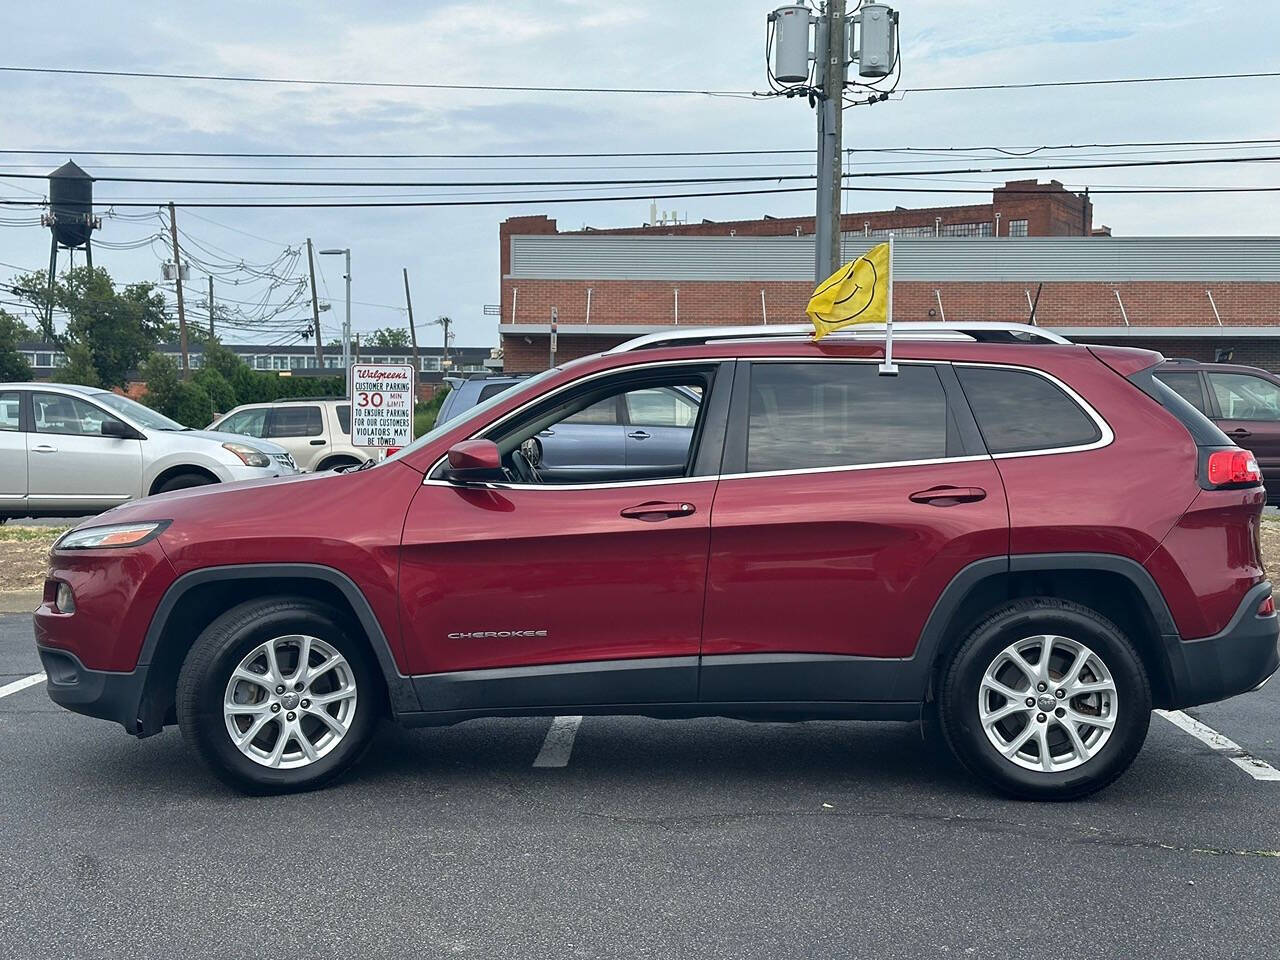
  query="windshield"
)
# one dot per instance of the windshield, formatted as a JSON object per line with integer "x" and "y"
{"x": 476, "y": 412}
{"x": 143, "y": 416}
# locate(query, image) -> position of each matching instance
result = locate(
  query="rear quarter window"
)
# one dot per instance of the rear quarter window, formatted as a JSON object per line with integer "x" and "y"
{"x": 1022, "y": 412}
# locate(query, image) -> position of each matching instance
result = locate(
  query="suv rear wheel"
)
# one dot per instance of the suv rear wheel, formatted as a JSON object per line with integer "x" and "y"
{"x": 1046, "y": 700}
{"x": 277, "y": 697}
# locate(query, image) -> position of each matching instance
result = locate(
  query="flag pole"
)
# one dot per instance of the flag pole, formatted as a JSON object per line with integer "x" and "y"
{"x": 889, "y": 368}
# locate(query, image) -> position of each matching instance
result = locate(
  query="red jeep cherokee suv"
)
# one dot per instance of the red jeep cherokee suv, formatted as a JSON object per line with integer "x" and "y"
{"x": 1038, "y": 541}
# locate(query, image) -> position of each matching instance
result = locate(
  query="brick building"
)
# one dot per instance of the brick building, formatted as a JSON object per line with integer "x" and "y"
{"x": 1184, "y": 296}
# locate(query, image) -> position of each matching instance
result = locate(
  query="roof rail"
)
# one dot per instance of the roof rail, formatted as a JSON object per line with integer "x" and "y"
{"x": 986, "y": 331}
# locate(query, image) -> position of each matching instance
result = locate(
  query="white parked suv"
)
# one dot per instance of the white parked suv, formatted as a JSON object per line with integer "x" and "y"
{"x": 69, "y": 451}
{"x": 315, "y": 430}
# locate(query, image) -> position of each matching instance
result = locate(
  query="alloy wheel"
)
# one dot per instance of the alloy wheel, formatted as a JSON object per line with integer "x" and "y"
{"x": 290, "y": 701}
{"x": 1048, "y": 703}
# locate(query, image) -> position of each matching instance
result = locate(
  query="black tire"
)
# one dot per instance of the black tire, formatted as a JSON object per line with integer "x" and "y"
{"x": 183, "y": 481}
{"x": 219, "y": 650}
{"x": 962, "y": 678}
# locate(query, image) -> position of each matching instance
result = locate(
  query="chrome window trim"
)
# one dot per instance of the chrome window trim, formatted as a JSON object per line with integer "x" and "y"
{"x": 1107, "y": 435}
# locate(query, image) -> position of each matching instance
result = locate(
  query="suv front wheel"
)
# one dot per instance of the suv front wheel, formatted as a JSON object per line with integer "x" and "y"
{"x": 1046, "y": 700}
{"x": 276, "y": 696}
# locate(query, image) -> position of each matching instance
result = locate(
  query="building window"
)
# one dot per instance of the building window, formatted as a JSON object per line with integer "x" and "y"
{"x": 261, "y": 363}
{"x": 299, "y": 363}
{"x": 982, "y": 229}
{"x": 279, "y": 362}
{"x": 429, "y": 364}
{"x": 44, "y": 359}
{"x": 333, "y": 363}
{"x": 1017, "y": 228}
{"x": 883, "y": 232}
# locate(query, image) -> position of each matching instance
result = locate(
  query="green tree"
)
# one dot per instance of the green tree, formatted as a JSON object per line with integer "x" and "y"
{"x": 79, "y": 368}
{"x": 13, "y": 365}
{"x": 160, "y": 374}
{"x": 191, "y": 405}
{"x": 386, "y": 337}
{"x": 117, "y": 329}
{"x": 218, "y": 387}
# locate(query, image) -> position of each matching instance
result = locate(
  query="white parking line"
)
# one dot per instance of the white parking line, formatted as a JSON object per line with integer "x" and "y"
{"x": 22, "y": 684}
{"x": 559, "y": 742}
{"x": 1258, "y": 769}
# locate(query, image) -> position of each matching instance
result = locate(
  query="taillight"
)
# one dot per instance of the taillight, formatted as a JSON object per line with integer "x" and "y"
{"x": 392, "y": 451}
{"x": 1227, "y": 467}
{"x": 1267, "y": 608}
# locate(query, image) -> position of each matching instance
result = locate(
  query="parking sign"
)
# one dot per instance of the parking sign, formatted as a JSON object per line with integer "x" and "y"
{"x": 381, "y": 404}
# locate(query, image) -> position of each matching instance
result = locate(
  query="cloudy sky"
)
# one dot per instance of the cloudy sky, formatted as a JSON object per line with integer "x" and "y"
{"x": 452, "y": 253}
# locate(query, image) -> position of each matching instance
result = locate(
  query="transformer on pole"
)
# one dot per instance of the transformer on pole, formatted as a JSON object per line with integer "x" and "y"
{"x": 810, "y": 57}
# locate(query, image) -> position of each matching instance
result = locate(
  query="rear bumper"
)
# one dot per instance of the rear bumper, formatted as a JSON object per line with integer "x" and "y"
{"x": 1234, "y": 661}
{"x": 96, "y": 693}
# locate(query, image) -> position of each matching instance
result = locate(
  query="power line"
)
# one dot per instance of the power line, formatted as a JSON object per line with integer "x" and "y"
{"x": 1035, "y": 85}
{"x": 383, "y": 84}
{"x": 533, "y": 88}
{"x": 85, "y": 152}
{"x": 659, "y": 181}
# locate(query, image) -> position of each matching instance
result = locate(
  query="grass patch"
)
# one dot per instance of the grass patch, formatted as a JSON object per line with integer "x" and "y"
{"x": 16, "y": 534}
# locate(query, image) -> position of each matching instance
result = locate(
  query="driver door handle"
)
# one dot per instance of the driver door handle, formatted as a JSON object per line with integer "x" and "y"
{"x": 317, "y": 443}
{"x": 638, "y": 435}
{"x": 44, "y": 448}
{"x": 948, "y": 496}
{"x": 658, "y": 510}
{"x": 1239, "y": 433}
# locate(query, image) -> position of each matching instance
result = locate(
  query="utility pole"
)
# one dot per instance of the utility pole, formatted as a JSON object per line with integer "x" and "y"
{"x": 315, "y": 306}
{"x": 413, "y": 333}
{"x": 211, "y": 333}
{"x": 357, "y": 356}
{"x": 831, "y": 74}
{"x": 177, "y": 276}
{"x": 444, "y": 360}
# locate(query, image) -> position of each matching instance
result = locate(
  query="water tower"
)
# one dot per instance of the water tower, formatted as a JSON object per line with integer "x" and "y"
{"x": 70, "y": 218}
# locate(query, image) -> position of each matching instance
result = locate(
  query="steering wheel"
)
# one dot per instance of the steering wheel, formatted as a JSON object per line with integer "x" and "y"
{"x": 523, "y": 468}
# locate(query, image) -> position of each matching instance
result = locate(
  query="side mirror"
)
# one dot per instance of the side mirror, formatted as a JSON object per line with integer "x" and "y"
{"x": 475, "y": 461}
{"x": 120, "y": 430}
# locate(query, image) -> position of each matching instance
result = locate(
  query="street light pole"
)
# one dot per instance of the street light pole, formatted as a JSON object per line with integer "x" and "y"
{"x": 346, "y": 321}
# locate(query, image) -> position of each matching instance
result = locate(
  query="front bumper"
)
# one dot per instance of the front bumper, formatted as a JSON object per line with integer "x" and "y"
{"x": 1239, "y": 659}
{"x": 97, "y": 693}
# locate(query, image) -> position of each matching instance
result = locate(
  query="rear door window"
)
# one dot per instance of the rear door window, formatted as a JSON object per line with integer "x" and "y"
{"x": 292, "y": 421}
{"x": 806, "y": 415}
{"x": 1020, "y": 412}
{"x": 1244, "y": 397}
{"x": 1185, "y": 385}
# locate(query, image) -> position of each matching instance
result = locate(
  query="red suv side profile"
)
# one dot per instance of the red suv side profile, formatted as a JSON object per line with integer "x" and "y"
{"x": 1036, "y": 542}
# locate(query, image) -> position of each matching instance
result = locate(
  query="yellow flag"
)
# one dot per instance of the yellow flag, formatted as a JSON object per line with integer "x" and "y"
{"x": 856, "y": 293}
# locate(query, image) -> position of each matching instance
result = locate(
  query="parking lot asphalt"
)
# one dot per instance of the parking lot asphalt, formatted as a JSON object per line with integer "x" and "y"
{"x": 704, "y": 838}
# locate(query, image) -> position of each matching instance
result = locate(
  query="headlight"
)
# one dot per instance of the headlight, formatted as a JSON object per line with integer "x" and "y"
{"x": 116, "y": 535}
{"x": 249, "y": 456}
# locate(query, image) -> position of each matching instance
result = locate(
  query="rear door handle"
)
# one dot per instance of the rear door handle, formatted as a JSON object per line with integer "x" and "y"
{"x": 658, "y": 510}
{"x": 317, "y": 443}
{"x": 44, "y": 448}
{"x": 638, "y": 435}
{"x": 546, "y": 433}
{"x": 1240, "y": 433}
{"x": 948, "y": 496}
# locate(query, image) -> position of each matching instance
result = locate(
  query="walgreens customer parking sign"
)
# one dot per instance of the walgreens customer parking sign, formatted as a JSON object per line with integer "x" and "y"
{"x": 381, "y": 404}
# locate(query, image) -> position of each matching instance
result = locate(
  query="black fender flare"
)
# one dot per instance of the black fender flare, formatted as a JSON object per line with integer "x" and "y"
{"x": 400, "y": 690}
{"x": 938, "y": 626}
